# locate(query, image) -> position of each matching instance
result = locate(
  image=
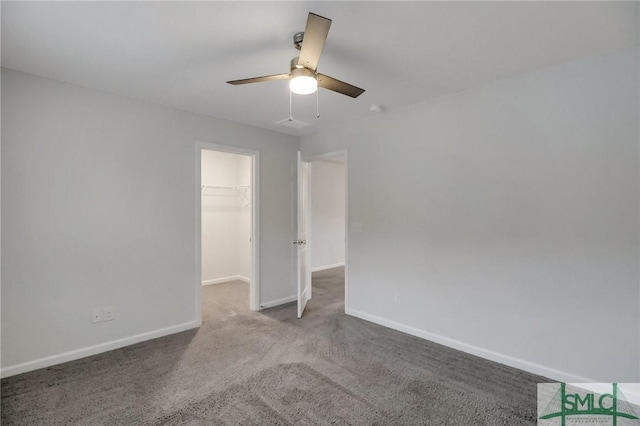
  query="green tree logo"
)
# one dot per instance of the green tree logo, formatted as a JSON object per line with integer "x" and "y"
{"x": 570, "y": 401}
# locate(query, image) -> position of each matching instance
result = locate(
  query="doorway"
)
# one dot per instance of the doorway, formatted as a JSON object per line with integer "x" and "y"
{"x": 227, "y": 234}
{"x": 325, "y": 211}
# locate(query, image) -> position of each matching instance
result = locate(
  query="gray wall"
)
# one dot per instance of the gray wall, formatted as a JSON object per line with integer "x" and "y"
{"x": 504, "y": 220}
{"x": 98, "y": 209}
{"x": 327, "y": 185}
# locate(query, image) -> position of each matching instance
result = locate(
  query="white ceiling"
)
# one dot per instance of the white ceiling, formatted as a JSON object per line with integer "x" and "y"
{"x": 181, "y": 53}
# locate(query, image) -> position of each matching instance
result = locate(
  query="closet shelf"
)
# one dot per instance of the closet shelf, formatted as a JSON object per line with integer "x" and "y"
{"x": 240, "y": 191}
{"x": 238, "y": 187}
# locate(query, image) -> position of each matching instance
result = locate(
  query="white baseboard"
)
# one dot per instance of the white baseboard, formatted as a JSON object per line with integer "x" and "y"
{"x": 24, "y": 367}
{"x": 528, "y": 366}
{"x": 322, "y": 268}
{"x": 226, "y": 279}
{"x": 278, "y": 302}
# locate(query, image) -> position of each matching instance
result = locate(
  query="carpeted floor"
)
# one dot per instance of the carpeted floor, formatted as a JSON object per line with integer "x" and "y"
{"x": 269, "y": 368}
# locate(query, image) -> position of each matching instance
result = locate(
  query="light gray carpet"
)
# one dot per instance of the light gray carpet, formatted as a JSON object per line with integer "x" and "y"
{"x": 269, "y": 368}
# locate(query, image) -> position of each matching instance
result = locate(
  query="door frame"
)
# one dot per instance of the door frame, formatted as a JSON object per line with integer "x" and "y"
{"x": 343, "y": 154}
{"x": 254, "y": 284}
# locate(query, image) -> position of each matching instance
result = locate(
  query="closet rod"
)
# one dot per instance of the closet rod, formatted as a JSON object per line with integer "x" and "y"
{"x": 225, "y": 187}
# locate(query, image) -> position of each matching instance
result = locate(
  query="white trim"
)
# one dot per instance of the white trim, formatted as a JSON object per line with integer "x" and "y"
{"x": 346, "y": 229}
{"x": 226, "y": 279}
{"x": 325, "y": 267}
{"x": 541, "y": 370}
{"x": 278, "y": 302}
{"x": 95, "y": 349}
{"x": 254, "y": 280}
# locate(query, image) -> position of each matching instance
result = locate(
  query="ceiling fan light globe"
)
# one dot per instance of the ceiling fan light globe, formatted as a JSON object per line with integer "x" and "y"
{"x": 303, "y": 85}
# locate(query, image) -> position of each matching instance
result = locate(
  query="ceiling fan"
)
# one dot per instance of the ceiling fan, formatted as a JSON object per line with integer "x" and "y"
{"x": 304, "y": 78}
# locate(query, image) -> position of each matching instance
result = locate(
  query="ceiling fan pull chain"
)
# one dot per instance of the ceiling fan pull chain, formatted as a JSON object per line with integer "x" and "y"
{"x": 290, "y": 115}
{"x": 317, "y": 104}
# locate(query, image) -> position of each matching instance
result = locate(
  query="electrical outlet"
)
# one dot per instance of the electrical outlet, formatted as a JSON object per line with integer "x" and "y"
{"x": 107, "y": 313}
{"x": 96, "y": 315}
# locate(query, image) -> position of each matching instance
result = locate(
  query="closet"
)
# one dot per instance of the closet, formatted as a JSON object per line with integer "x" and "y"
{"x": 226, "y": 217}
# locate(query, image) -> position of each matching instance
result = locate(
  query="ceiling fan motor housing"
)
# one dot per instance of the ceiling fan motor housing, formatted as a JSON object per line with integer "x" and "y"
{"x": 296, "y": 66}
{"x": 302, "y": 72}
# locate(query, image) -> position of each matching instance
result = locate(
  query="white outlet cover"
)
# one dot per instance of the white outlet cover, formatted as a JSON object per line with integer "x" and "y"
{"x": 96, "y": 315}
{"x": 107, "y": 313}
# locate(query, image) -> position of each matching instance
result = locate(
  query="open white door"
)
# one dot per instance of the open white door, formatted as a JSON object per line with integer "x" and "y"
{"x": 304, "y": 268}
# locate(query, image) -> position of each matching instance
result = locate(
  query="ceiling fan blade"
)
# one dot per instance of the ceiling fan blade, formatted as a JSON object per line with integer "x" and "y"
{"x": 260, "y": 79}
{"x": 339, "y": 86}
{"x": 315, "y": 34}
